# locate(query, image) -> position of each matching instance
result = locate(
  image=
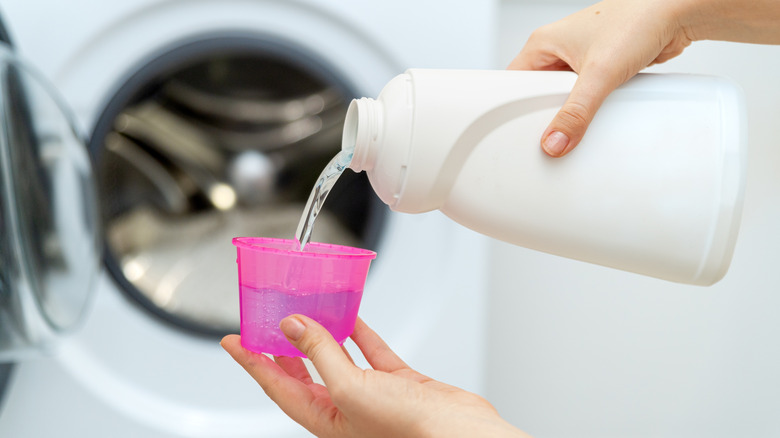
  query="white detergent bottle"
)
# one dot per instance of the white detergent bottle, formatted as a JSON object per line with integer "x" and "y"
{"x": 655, "y": 187}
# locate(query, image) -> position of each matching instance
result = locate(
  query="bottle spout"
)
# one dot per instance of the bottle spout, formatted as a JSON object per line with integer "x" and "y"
{"x": 361, "y": 131}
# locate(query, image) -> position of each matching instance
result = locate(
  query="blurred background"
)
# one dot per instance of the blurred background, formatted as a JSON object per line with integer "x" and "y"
{"x": 211, "y": 119}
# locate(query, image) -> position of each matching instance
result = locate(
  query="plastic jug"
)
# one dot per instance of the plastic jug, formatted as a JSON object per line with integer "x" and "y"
{"x": 655, "y": 187}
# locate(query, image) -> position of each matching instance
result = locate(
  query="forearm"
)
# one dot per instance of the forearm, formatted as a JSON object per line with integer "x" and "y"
{"x": 752, "y": 21}
{"x": 468, "y": 427}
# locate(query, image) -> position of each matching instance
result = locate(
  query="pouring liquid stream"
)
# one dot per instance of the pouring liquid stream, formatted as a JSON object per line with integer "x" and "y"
{"x": 321, "y": 189}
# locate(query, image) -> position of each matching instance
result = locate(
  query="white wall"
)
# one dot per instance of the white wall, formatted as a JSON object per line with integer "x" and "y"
{"x": 577, "y": 350}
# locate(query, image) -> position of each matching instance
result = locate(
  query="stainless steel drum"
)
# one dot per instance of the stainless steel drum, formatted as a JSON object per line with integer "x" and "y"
{"x": 216, "y": 138}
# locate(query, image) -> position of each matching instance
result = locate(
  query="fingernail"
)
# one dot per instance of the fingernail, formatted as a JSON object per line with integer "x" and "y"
{"x": 555, "y": 143}
{"x": 292, "y": 327}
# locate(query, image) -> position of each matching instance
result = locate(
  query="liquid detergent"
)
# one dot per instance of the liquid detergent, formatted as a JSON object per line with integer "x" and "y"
{"x": 319, "y": 193}
{"x": 655, "y": 186}
{"x": 336, "y": 311}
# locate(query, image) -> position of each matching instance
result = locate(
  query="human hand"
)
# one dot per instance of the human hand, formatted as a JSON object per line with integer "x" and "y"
{"x": 605, "y": 44}
{"x": 390, "y": 400}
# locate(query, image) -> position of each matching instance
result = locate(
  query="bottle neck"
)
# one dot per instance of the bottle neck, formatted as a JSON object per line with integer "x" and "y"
{"x": 362, "y": 127}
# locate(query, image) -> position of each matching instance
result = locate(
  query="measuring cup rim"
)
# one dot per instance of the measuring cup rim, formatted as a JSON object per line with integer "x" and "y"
{"x": 313, "y": 249}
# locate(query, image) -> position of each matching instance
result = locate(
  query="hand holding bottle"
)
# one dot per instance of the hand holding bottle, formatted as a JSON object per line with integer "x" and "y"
{"x": 611, "y": 41}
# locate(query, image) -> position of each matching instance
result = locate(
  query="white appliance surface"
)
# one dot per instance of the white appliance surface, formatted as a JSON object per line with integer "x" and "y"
{"x": 126, "y": 374}
{"x": 577, "y": 350}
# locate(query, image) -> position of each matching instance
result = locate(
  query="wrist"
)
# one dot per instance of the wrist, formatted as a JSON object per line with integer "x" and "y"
{"x": 692, "y": 18}
{"x": 728, "y": 20}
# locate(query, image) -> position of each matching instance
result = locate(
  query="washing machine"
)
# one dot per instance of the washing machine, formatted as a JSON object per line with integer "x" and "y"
{"x": 203, "y": 120}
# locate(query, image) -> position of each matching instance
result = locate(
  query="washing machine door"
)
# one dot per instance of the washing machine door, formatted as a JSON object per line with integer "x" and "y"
{"x": 49, "y": 249}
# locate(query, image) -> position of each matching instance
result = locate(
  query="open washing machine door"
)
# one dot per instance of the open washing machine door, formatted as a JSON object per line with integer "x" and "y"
{"x": 49, "y": 239}
{"x": 146, "y": 362}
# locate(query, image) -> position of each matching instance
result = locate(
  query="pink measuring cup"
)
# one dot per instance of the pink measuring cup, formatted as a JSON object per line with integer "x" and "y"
{"x": 324, "y": 282}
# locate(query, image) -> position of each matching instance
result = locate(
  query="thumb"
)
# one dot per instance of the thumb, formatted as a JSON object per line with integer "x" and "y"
{"x": 318, "y": 345}
{"x": 569, "y": 125}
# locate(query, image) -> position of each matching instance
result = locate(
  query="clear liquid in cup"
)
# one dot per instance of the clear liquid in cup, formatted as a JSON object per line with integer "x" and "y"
{"x": 263, "y": 309}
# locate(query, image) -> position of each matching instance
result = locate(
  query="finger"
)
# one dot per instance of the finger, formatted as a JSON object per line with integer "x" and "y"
{"x": 672, "y": 50}
{"x": 346, "y": 353}
{"x": 292, "y": 396}
{"x": 375, "y": 350}
{"x": 294, "y": 367}
{"x": 533, "y": 59}
{"x": 319, "y": 346}
{"x": 290, "y": 366}
{"x": 570, "y": 124}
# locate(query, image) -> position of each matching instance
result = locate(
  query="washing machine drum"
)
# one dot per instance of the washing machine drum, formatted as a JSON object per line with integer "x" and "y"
{"x": 220, "y": 137}
{"x": 49, "y": 242}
